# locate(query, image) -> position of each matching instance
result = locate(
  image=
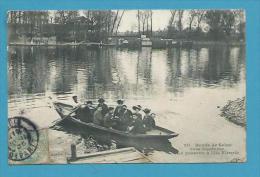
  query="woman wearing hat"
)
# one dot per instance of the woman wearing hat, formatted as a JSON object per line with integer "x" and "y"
{"x": 148, "y": 120}
{"x": 137, "y": 111}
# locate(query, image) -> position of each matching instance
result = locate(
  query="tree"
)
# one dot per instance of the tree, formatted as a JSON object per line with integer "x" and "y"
{"x": 147, "y": 16}
{"x": 101, "y": 24}
{"x": 174, "y": 26}
{"x": 12, "y": 16}
{"x": 119, "y": 21}
{"x": 221, "y": 23}
{"x": 214, "y": 21}
{"x": 151, "y": 22}
{"x": 143, "y": 20}
{"x": 240, "y": 23}
{"x": 173, "y": 13}
{"x": 180, "y": 15}
{"x": 200, "y": 14}
{"x": 114, "y": 21}
{"x": 171, "y": 29}
{"x": 65, "y": 16}
{"x": 139, "y": 24}
{"x": 228, "y": 21}
{"x": 192, "y": 15}
{"x": 144, "y": 17}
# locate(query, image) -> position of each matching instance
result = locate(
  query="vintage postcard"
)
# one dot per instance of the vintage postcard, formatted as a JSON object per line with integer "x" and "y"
{"x": 126, "y": 86}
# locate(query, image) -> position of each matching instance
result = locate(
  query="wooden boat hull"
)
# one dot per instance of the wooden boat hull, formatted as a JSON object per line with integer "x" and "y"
{"x": 158, "y": 134}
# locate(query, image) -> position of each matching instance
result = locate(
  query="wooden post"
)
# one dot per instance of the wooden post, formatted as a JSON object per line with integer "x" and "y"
{"x": 73, "y": 152}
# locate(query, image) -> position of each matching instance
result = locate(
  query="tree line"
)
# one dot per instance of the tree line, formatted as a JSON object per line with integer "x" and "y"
{"x": 97, "y": 25}
{"x": 93, "y": 25}
{"x": 210, "y": 24}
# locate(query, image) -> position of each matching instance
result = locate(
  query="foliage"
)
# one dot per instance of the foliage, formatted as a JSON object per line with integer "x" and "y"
{"x": 99, "y": 25}
{"x": 216, "y": 24}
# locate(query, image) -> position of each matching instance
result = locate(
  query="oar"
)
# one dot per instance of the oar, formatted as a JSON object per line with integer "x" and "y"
{"x": 65, "y": 117}
{"x": 75, "y": 109}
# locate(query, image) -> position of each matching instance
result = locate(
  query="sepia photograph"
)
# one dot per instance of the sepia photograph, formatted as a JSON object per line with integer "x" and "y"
{"x": 126, "y": 86}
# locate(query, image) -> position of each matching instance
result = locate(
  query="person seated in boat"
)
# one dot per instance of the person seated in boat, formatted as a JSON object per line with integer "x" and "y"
{"x": 101, "y": 103}
{"x": 148, "y": 120}
{"x": 137, "y": 110}
{"x": 118, "y": 111}
{"x": 85, "y": 112}
{"x": 137, "y": 124}
{"x": 153, "y": 115}
{"x": 91, "y": 109}
{"x": 127, "y": 118}
{"x": 109, "y": 118}
{"x": 98, "y": 116}
{"x": 76, "y": 105}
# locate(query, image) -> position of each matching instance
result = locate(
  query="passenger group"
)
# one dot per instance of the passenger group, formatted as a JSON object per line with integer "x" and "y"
{"x": 119, "y": 118}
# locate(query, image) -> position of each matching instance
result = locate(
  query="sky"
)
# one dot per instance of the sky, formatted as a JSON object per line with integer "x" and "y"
{"x": 129, "y": 20}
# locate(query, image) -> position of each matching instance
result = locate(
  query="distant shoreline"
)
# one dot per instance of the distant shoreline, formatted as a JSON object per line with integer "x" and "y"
{"x": 95, "y": 44}
{"x": 60, "y": 44}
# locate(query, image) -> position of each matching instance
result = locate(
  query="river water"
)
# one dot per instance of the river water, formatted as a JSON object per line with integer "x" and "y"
{"x": 185, "y": 87}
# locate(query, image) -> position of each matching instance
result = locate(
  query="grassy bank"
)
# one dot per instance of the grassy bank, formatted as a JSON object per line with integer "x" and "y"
{"x": 235, "y": 111}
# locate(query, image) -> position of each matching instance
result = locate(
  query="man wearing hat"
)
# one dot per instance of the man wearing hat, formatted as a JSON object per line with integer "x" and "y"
{"x": 76, "y": 102}
{"x": 127, "y": 118}
{"x": 101, "y": 103}
{"x": 138, "y": 126}
{"x": 86, "y": 112}
{"x": 118, "y": 111}
{"x": 76, "y": 105}
{"x": 108, "y": 119}
{"x": 148, "y": 120}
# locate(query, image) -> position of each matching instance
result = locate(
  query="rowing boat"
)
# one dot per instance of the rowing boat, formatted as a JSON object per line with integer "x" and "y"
{"x": 156, "y": 134}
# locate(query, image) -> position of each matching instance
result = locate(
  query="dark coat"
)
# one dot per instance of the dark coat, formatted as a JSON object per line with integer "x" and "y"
{"x": 85, "y": 114}
{"x": 138, "y": 115}
{"x": 138, "y": 126}
{"x": 98, "y": 118}
{"x": 127, "y": 118}
{"x": 148, "y": 122}
{"x": 104, "y": 108}
{"x": 117, "y": 110}
{"x": 108, "y": 120}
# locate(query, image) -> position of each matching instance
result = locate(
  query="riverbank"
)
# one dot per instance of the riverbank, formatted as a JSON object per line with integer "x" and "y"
{"x": 136, "y": 44}
{"x": 235, "y": 111}
{"x": 89, "y": 44}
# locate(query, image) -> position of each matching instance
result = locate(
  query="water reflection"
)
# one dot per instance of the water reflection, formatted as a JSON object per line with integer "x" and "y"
{"x": 112, "y": 73}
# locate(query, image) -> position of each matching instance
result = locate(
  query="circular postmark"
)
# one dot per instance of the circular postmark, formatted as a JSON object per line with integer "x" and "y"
{"x": 23, "y": 138}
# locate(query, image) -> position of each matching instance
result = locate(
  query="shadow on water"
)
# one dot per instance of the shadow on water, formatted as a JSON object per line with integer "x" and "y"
{"x": 105, "y": 142}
